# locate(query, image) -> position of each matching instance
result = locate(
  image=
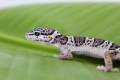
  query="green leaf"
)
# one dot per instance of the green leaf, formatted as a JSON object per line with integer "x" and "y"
{"x": 26, "y": 60}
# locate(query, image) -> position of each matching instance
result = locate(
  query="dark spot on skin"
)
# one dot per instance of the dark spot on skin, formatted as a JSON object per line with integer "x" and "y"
{"x": 98, "y": 42}
{"x": 57, "y": 39}
{"x": 113, "y": 46}
{"x": 79, "y": 41}
{"x": 45, "y": 31}
{"x": 114, "y": 53}
{"x": 60, "y": 39}
{"x": 63, "y": 40}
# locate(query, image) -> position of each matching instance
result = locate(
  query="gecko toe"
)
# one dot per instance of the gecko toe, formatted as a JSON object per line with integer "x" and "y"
{"x": 101, "y": 67}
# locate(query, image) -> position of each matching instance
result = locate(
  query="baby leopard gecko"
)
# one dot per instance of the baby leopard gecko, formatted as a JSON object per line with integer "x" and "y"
{"x": 93, "y": 47}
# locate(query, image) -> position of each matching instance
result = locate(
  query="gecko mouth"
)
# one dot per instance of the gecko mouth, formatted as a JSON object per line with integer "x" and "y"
{"x": 42, "y": 41}
{"x": 47, "y": 41}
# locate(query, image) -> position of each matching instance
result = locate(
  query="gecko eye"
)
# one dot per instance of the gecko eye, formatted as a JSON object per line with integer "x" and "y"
{"x": 37, "y": 33}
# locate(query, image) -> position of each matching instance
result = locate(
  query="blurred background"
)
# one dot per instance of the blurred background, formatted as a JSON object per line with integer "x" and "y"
{"x": 25, "y": 60}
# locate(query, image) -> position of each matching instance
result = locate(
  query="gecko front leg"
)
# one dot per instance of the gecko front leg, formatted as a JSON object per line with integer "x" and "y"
{"x": 108, "y": 56}
{"x": 65, "y": 54}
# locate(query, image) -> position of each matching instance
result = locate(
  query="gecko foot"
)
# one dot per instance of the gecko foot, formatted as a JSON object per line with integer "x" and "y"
{"x": 103, "y": 68}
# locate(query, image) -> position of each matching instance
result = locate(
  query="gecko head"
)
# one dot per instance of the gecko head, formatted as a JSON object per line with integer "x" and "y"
{"x": 43, "y": 35}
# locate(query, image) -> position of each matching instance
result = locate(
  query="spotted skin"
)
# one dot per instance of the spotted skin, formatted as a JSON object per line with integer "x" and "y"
{"x": 78, "y": 41}
{"x": 93, "y": 47}
{"x": 44, "y": 31}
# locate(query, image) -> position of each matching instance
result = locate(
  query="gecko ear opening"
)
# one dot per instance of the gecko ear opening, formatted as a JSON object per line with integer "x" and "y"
{"x": 50, "y": 38}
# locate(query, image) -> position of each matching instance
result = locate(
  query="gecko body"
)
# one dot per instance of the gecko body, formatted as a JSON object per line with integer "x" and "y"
{"x": 68, "y": 45}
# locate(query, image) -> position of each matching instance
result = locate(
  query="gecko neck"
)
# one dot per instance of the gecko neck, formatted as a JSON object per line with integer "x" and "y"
{"x": 61, "y": 39}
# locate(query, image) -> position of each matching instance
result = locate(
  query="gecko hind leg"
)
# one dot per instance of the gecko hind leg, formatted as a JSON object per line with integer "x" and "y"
{"x": 108, "y": 57}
